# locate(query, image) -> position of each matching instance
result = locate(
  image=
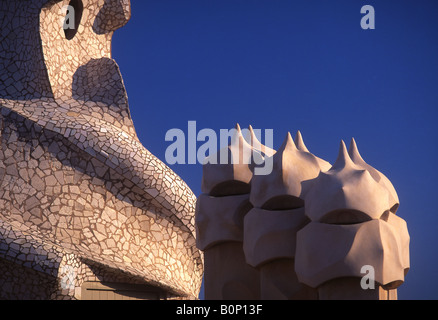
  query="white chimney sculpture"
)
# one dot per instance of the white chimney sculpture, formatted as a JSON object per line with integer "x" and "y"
{"x": 308, "y": 230}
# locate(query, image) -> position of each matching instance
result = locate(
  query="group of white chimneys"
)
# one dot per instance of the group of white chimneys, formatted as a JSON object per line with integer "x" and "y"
{"x": 307, "y": 230}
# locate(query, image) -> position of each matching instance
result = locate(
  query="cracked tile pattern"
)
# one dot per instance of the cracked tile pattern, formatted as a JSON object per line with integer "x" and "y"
{"x": 80, "y": 197}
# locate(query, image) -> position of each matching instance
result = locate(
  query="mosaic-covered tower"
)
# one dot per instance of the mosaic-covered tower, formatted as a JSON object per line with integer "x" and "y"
{"x": 86, "y": 212}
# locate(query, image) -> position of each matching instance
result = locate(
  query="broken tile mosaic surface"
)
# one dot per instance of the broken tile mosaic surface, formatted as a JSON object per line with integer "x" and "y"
{"x": 81, "y": 199}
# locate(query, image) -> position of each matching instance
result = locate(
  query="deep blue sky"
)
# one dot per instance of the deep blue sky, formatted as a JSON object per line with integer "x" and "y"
{"x": 299, "y": 65}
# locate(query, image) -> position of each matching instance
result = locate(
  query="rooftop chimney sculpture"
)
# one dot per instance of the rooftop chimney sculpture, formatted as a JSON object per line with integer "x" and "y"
{"x": 86, "y": 212}
{"x": 307, "y": 230}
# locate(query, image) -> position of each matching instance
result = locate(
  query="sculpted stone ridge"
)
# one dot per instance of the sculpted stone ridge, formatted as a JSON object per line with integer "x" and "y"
{"x": 309, "y": 229}
{"x": 338, "y": 195}
{"x": 74, "y": 176}
{"x": 372, "y": 243}
{"x": 291, "y": 167}
{"x": 230, "y": 167}
{"x": 377, "y": 175}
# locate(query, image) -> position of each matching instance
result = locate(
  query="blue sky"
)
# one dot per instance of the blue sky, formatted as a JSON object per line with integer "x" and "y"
{"x": 298, "y": 65}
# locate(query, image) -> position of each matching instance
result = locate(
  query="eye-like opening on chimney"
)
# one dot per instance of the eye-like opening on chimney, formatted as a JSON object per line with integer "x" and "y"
{"x": 345, "y": 216}
{"x": 228, "y": 188}
{"x": 73, "y": 18}
{"x": 283, "y": 202}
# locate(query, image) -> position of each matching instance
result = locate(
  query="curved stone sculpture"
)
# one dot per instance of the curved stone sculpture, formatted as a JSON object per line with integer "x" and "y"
{"x": 353, "y": 227}
{"x": 400, "y": 228}
{"x": 220, "y": 213}
{"x": 377, "y": 175}
{"x": 257, "y": 145}
{"x": 73, "y": 174}
{"x": 299, "y": 142}
{"x": 230, "y": 170}
{"x": 270, "y": 228}
{"x": 220, "y": 219}
{"x": 347, "y": 193}
{"x": 309, "y": 228}
{"x": 374, "y": 243}
{"x": 291, "y": 167}
{"x": 271, "y": 235}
